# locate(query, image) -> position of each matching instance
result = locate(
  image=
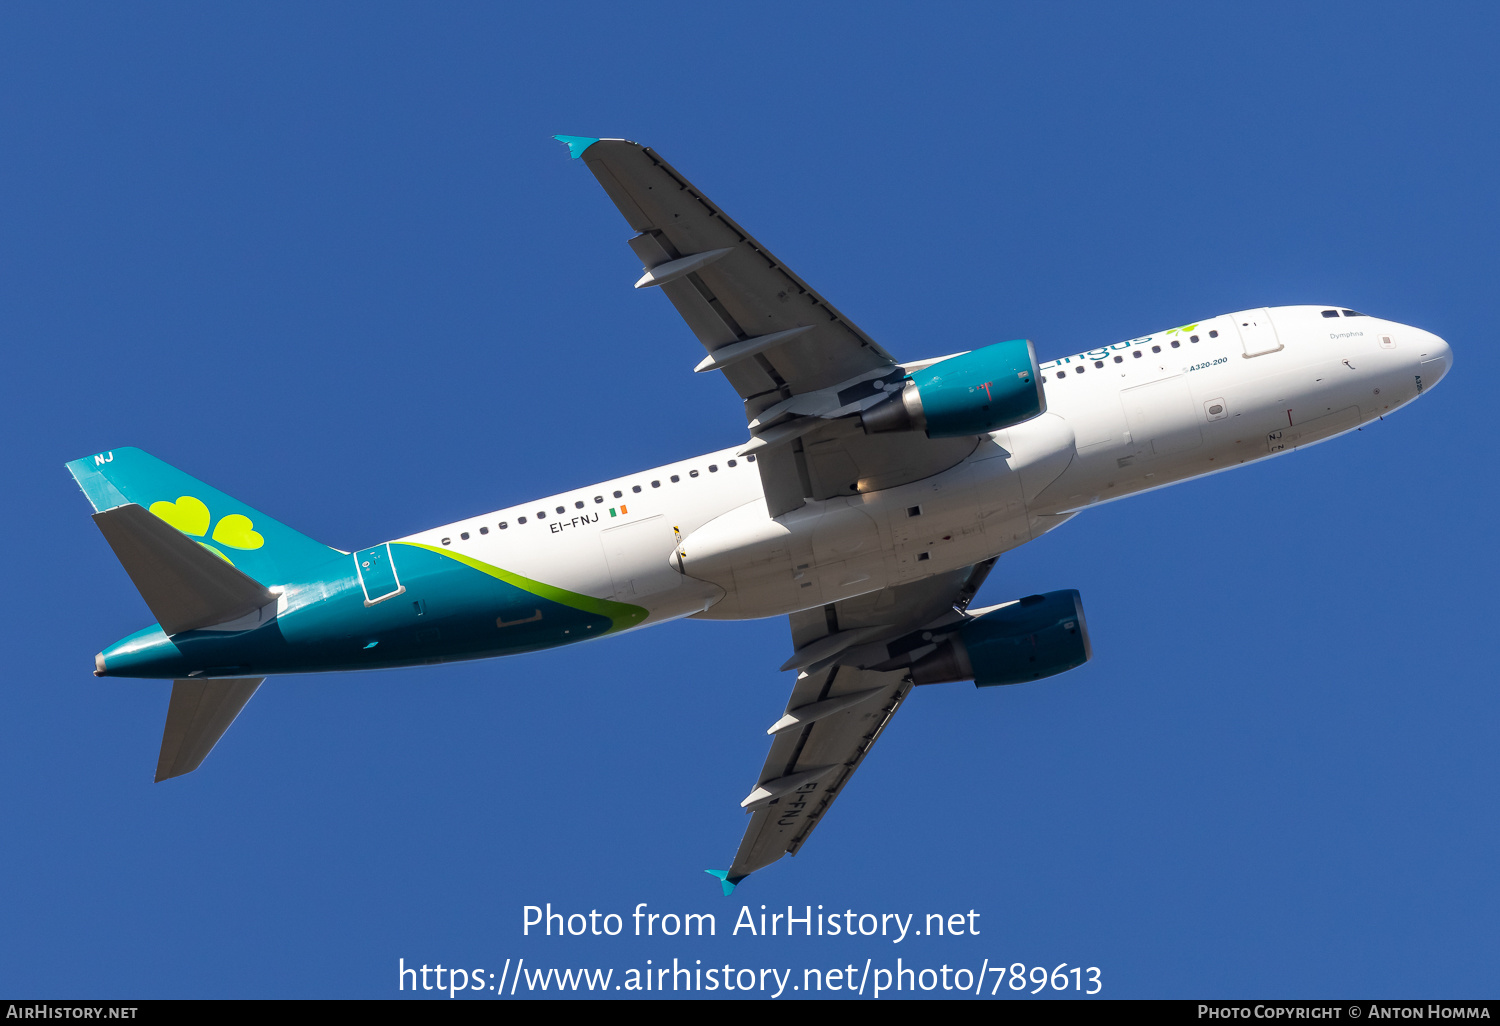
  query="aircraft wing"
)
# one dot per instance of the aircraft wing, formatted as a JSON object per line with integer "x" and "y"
{"x": 735, "y": 290}
{"x": 802, "y": 367}
{"x": 840, "y": 705}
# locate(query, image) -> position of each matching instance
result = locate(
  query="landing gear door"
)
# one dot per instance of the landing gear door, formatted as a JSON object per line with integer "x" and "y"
{"x": 1257, "y": 333}
{"x": 377, "y": 574}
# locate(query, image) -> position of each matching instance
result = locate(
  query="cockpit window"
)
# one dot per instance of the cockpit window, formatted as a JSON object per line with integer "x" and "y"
{"x": 1352, "y": 313}
{"x": 1330, "y": 313}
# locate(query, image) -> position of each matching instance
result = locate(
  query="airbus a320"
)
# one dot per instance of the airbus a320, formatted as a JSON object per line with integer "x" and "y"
{"x": 867, "y": 505}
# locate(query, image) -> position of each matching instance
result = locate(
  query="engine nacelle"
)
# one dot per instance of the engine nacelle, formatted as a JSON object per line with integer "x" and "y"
{"x": 1035, "y": 637}
{"x": 970, "y": 394}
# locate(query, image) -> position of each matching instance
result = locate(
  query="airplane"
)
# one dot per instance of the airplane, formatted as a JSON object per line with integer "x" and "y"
{"x": 867, "y": 506}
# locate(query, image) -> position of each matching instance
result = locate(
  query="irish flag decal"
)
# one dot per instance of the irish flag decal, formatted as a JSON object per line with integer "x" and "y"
{"x": 612, "y": 512}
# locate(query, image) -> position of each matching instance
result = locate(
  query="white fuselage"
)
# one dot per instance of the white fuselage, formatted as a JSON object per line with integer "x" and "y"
{"x": 1120, "y": 420}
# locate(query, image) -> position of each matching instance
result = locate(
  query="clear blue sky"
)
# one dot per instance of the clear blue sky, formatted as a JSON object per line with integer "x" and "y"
{"x": 326, "y": 258}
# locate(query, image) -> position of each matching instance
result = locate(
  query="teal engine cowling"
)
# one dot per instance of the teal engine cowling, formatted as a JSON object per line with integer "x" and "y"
{"x": 1035, "y": 637}
{"x": 969, "y": 394}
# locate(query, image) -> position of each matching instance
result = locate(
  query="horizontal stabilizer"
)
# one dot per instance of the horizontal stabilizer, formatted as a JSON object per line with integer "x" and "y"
{"x": 186, "y": 584}
{"x": 200, "y": 712}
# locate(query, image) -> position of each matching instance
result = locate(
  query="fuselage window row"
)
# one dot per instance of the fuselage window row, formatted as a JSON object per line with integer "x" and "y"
{"x": 1176, "y": 344}
{"x": 713, "y": 468}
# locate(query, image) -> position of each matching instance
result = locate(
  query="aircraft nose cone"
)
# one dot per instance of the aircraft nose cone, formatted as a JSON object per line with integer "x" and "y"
{"x": 1437, "y": 359}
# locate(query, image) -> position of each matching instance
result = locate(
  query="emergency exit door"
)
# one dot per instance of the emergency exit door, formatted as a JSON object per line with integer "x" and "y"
{"x": 1257, "y": 333}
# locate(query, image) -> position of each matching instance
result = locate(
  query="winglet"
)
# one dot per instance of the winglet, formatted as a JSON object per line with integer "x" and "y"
{"x": 724, "y": 881}
{"x": 576, "y": 144}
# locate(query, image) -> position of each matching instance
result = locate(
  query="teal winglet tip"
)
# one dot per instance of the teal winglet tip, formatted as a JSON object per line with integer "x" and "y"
{"x": 576, "y": 144}
{"x": 722, "y": 875}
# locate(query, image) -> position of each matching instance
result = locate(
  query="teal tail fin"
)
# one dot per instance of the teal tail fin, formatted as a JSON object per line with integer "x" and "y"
{"x": 722, "y": 875}
{"x": 262, "y": 548}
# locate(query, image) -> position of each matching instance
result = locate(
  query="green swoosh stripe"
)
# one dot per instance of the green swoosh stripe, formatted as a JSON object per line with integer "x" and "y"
{"x": 620, "y": 614}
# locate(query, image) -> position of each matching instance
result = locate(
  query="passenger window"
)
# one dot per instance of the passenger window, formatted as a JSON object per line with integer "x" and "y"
{"x": 484, "y": 530}
{"x": 750, "y": 458}
{"x": 504, "y": 524}
{"x": 1137, "y": 354}
{"x": 599, "y": 499}
{"x": 1062, "y": 374}
{"x": 675, "y": 478}
{"x": 713, "y": 468}
{"x": 1098, "y": 364}
{"x": 1119, "y": 359}
{"x": 464, "y": 536}
{"x": 1213, "y": 334}
{"x": 618, "y": 494}
{"x": 1156, "y": 349}
{"x": 520, "y": 520}
{"x": 655, "y": 484}
{"x": 1176, "y": 344}
{"x": 578, "y": 504}
{"x": 1194, "y": 338}
{"x": 541, "y": 514}
{"x": 447, "y": 541}
{"x": 1330, "y": 313}
{"x": 692, "y": 473}
{"x": 635, "y": 488}
{"x": 732, "y": 463}
{"x": 1044, "y": 379}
